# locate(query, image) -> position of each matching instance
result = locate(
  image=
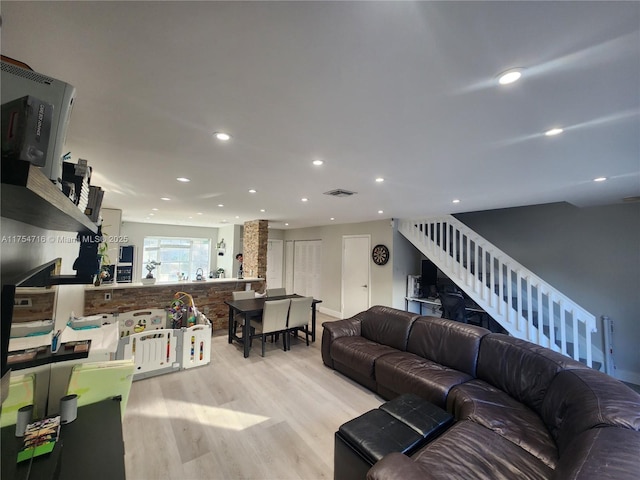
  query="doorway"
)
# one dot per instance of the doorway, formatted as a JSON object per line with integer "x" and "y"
{"x": 356, "y": 275}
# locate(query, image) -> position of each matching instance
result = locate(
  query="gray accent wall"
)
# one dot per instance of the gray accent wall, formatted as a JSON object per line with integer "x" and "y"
{"x": 591, "y": 254}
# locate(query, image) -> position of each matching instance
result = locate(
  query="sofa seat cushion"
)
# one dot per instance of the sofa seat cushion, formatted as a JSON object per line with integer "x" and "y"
{"x": 466, "y": 451}
{"x": 493, "y": 409}
{"x": 404, "y": 372}
{"x": 358, "y": 355}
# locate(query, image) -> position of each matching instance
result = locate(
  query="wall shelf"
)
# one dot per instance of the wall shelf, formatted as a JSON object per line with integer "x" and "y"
{"x": 28, "y": 196}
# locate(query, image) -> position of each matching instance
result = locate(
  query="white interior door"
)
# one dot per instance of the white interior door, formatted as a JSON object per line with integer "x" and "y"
{"x": 275, "y": 255}
{"x": 356, "y": 276}
{"x": 307, "y": 268}
{"x": 288, "y": 266}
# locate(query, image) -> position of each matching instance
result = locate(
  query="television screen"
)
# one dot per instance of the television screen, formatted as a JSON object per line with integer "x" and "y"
{"x": 429, "y": 278}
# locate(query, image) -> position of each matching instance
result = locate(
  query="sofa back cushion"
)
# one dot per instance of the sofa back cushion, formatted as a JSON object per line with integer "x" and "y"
{"x": 578, "y": 400}
{"x": 522, "y": 369}
{"x": 452, "y": 344}
{"x": 387, "y": 326}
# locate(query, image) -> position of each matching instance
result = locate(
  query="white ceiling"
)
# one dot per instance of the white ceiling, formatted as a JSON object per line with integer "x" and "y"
{"x": 402, "y": 90}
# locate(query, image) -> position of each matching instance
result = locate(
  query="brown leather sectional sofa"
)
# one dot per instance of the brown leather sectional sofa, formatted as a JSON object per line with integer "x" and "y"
{"x": 522, "y": 411}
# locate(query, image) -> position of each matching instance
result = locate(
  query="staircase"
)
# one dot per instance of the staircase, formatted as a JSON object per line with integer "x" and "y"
{"x": 523, "y": 304}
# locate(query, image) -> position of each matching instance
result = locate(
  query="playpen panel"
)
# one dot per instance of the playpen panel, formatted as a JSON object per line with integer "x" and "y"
{"x": 138, "y": 321}
{"x": 196, "y": 346}
{"x": 152, "y": 350}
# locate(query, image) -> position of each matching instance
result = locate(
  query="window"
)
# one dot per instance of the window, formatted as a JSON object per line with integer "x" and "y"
{"x": 177, "y": 257}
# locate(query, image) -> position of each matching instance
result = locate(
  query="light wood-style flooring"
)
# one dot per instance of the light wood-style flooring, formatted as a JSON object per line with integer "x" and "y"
{"x": 254, "y": 418}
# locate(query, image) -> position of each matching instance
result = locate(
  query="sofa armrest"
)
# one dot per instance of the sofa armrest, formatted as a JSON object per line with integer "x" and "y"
{"x": 349, "y": 327}
{"x": 607, "y": 453}
{"x": 396, "y": 466}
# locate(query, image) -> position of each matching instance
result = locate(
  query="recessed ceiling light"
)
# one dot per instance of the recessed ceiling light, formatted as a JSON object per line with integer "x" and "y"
{"x": 380, "y": 211}
{"x": 221, "y": 205}
{"x": 183, "y": 179}
{"x": 379, "y": 179}
{"x": 166, "y": 199}
{"x": 286, "y": 224}
{"x": 553, "y": 131}
{"x": 456, "y": 201}
{"x": 262, "y": 210}
{"x": 332, "y": 218}
{"x": 317, "y": 163}
{"x": 510, "y": 76}
{"x": 222, "y": 136}
{"x": 600, "y": 179}
{"x": 304, "y": 199}
{"x": 252, "y": 191}
{"x": 151, "y": 214}
{"x": 237, "y": 216}
{"x": 199, "y": 213}
{"x": 154, "y": 209}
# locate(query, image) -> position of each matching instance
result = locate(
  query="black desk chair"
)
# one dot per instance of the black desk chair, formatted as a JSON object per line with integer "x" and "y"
{"x": 453, "y": 308}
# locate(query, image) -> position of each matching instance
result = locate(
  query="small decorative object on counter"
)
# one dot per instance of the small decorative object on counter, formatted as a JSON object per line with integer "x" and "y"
{"x": 150, "y": 266}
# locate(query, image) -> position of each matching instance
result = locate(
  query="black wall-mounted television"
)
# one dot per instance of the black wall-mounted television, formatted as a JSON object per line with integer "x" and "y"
{"x": 428, "y": 278}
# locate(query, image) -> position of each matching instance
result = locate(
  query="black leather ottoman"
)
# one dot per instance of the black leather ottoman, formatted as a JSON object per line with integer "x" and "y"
{"x": 403, "y": 424}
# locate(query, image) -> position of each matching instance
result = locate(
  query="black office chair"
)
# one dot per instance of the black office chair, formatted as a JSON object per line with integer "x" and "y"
{"x": 453, "y": 308}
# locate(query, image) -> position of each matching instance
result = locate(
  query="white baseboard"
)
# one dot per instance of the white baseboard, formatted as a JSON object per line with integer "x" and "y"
{"x": 332, "y": 313}
{"x": 627, "y": 376}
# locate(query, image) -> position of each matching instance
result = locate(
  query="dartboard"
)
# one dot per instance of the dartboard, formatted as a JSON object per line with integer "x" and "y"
{"x": 380, "y": 254}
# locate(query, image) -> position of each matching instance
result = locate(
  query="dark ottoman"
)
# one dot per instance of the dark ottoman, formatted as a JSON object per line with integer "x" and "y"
{"x": 403, "y": 425}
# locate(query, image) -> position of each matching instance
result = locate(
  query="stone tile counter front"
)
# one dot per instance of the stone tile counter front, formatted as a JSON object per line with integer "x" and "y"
{"x": 209, "y": 296}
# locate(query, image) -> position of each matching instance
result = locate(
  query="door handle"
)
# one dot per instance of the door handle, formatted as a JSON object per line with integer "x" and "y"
{"x": 364, "y": 286}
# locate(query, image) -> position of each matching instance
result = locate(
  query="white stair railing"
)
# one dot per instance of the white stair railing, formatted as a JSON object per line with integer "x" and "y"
{"x": 525, "y": 305}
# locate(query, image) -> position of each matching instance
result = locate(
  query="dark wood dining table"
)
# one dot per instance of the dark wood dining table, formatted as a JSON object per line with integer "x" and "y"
{"x": 253, "y": 307}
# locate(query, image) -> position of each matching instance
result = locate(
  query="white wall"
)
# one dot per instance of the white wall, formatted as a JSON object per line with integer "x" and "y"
{"x": 134, "y": 234}
{"x": 590, "y": 254}
{"x": 231, "y": 236}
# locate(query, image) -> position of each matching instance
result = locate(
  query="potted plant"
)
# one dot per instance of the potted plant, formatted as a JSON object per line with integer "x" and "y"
{"x": 150, "y": 266}
{"x": 104, "y": 262}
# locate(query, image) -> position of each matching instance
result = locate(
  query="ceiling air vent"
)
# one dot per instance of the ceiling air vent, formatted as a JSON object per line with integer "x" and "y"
{"x": 339, "y": 192}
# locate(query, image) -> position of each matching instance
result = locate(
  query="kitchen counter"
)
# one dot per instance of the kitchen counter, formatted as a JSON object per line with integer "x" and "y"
{"x": 208, "y": 295}
{"x": 182, "y": 284}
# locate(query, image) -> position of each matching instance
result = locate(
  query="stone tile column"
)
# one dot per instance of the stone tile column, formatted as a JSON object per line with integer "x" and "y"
{"x": 255, "y": 239}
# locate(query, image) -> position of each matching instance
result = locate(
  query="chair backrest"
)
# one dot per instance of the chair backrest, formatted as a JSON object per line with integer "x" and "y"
{"x": 243, "y": 294}
{"x": 300, "y": 312}
{"x": 276, "y": 292}
{"x": 274, "y": 315}
{"x": 452, "y": 306}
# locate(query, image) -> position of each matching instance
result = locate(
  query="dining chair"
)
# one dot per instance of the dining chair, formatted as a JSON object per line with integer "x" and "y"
{"x": 276, "y": 292}
{"x": 238, "y": 319}
{"x": 299, "y": 315}
{"x": 274, "y": 320}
